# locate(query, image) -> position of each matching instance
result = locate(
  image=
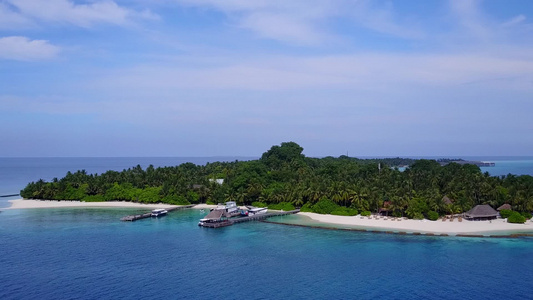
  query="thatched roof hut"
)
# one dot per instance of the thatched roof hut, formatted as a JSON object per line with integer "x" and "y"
{"x": 505, "y": 206}
{"x": 216, "y": 215}
{"x": 447, "y": 200}
{"x": 481, "y": 212}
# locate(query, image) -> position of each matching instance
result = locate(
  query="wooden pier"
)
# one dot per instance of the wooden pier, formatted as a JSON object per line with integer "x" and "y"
{"x": 132, "y": 218}
{"x": 10, "y": 195}
{"x": 232, "y": 221}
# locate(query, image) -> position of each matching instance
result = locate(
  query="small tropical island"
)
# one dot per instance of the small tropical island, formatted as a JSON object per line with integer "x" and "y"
{"x": 285, "y": 179}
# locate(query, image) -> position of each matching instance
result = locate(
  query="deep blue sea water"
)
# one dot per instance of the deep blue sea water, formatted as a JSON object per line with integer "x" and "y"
{"x": 75, "y": 253}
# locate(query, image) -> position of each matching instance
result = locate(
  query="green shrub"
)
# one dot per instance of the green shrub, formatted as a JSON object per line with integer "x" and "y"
{"x": 325, "y": 206}
{"x": 93, "y": 198}
{"x": 345, "y": 211}
{"x": 505, "y": 213}
{"x": 175, "y": 200}
{"x": 306, "y": 208}
{"x": 259, "y": 204}
{"x": 286, "y": 206}
{"x": 150, "y": 195}
{"x": 365, "y": 213}
{"x": 72, "y": 193}
{"x": 418, "y": 216}
{"x": 516, "y": 217}
{"x": 526, "y": 215}
{"x": 433, "y": 215}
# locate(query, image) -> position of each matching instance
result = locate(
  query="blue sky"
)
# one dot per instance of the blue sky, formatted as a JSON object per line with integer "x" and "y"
{"x": 234, "y": 77}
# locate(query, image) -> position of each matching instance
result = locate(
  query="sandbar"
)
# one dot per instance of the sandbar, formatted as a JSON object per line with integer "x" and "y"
{"x": 425, "y": 226}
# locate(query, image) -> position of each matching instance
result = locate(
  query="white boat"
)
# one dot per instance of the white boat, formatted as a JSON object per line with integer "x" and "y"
{"x": 159, "y": 212}
{"x": 257, "y": 211}
{"x": 230, "y": 207}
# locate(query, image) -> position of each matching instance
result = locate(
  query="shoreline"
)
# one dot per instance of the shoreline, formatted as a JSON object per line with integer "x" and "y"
{"x": 31, "y": 204}
{"x": 494, "y": 228}
{"x": 438, "y": 228}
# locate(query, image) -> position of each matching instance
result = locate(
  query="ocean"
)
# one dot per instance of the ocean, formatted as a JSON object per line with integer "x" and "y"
{"x": 88, "y": 253}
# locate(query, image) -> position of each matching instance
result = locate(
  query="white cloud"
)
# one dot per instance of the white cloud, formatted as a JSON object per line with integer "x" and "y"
{"x": 66, "y": 11}
{"x": 299, "y": 21}
{"x": 11, "y": 20}
{"x": 282, "y": 27}
{"x": 357, "y": 71}
{"x": 22, "y": 48}
{"x": 514, "y": 21}
{"x": 475, "y": 26}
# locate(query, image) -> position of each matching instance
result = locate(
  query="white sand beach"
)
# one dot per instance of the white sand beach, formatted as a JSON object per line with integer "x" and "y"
{"x": 425, "y": 226}
{"x": 24, "y": 204}
{"x": 204, "y": 206}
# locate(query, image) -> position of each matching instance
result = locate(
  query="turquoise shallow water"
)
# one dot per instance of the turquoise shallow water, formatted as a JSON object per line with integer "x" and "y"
{"x": 89, "y": 254}
{"x": 517, "y": 166}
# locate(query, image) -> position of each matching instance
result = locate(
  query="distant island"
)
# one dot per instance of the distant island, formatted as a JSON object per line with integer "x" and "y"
{"x": 284, "y": 178}
{"x": 445, "y": 161}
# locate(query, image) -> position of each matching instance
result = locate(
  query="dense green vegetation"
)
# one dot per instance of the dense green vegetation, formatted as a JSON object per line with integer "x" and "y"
{"x": 505, "y": 213}
{"x": 284, "y": 178}
{"x": 433, "y": 215}
{"x": 516, "y": 217}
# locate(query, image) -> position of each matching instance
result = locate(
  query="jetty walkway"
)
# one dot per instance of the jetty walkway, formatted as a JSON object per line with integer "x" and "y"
{"x": 10, "y": 195}
{"x": 132, "y": 218}
{"x": 259, "y": 217}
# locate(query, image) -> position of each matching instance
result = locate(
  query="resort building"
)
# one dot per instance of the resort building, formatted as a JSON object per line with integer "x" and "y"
{"x": 505, "y": 206}
{"x": 481, "y": 212}
{"x": 446, "y": 200}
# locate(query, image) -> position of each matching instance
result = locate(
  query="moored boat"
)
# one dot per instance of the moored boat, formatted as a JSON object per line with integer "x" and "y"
{"x": 159, "y": 212}
{"x": 257, "y": 211}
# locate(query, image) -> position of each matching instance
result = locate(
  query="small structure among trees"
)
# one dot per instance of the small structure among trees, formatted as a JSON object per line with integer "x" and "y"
{"x": 481, "y": 212}
{"x": 384, "y": 211}
{"x": 447, "y": 201}
{"x": 506, "y": 206}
